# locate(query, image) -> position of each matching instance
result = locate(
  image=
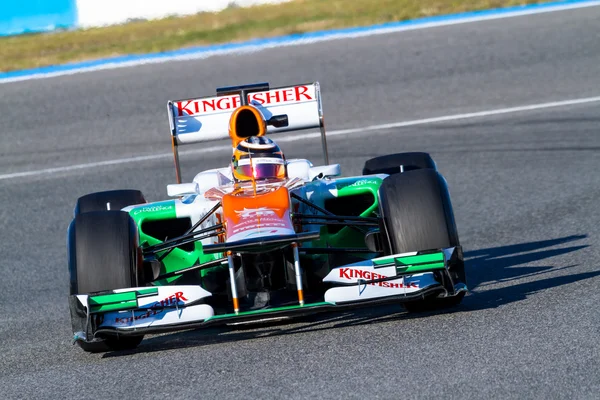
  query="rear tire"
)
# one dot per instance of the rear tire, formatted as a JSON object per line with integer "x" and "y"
{"x": 417, "y": 215}
{"x": 113, "y": 200}
{"x": 103, "y": 255}
{"x": 390, "y": 164}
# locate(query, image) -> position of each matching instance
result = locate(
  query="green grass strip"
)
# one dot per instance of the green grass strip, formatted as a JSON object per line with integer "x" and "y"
{"x": 230, "y": 25}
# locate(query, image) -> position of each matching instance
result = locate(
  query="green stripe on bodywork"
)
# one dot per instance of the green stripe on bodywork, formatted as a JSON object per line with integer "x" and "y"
{"x": 158, "y": 210}
{"x": 409, "y": 260}
{"x": 177, "y": 259}
{"x": 412, "y": 264}
{"x": 128, "y": 305}
{"x": 147, "y": 292}
{"x": 348, "y": 237}
{"x": 118, "y": 301}
{"x": 400, "y": 269}
{"x": 383, "y": 262}
{"x": 112, "y": 298}
{"x": 420, "y": 263}
{"x": 270, "y": 310}
{"x": 420, "y": 259}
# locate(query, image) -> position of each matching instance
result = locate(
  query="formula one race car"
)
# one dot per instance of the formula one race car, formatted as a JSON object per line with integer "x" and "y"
{"x": 263, "y": 238}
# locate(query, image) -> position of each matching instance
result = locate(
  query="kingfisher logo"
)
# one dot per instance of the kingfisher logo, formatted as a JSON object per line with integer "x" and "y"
{"x": 296, "y": 94}
{"x": 255, "y": 212}
{"x": 175, "y": 298}
{"x": 354, "y": 274}
{"x": 137, "y": 317}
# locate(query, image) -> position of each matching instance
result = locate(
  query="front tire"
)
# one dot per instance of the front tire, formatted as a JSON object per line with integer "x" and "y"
{"x": 103, "y": 255}
{"x": 400, "y": 162}
{"x": 112, "y": 200}
{"x": 417, "y": 215}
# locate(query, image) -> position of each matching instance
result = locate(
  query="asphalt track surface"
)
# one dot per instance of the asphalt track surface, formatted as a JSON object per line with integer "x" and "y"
{"x": 525, "y": 188}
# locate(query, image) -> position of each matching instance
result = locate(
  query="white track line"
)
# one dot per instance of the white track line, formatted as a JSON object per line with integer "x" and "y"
{"x": 480, "y": 114}
{"x": 454, "y": 117}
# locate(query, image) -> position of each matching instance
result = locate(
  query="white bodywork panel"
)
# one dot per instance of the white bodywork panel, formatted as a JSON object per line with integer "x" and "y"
{"x": 179, "y": 294}
{"x": 152, "y": 318}
{"x": 182, "y": 189}
{"x": 402, "y": 286}
{"x": 365, "y": 271}
{"x": 167, "y": 296}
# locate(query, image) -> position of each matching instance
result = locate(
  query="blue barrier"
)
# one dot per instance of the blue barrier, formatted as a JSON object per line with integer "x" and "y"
{"x": 36, "y": 16}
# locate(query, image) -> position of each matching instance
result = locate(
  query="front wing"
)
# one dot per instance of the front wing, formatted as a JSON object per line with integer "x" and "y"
{"x": 144, "y": 310}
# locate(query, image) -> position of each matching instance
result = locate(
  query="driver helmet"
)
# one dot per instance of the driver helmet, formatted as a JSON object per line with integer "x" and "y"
{"x": 258, "y": 158}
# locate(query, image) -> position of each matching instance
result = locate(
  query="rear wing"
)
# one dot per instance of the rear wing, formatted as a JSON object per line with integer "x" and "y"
{"x": 207, "y": 118}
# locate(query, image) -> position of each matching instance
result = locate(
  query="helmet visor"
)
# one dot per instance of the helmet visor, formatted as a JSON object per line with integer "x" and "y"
{"x": 260, "y": 168}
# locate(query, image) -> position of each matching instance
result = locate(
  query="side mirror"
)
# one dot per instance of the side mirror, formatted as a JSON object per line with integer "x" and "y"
{"x": 323, "y": 171}
{"x": 182, "y": 189}
{"x": 278, "y": 121}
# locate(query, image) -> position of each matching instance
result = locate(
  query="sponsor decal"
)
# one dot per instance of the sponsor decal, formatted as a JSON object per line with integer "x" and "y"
{"x": 259, "y": 219}
{"x": 225, "y": 103}
{"x": 264, "y": 222}
{"x": 361, "y": 182}
{"x": 288, "y": 95}
{"x": 175, "y": 298}
{"x": 132, "y": 318}
{"x": 254, "y": 212}
{"x": 259, "y": 160}
{"x": 155, "y": 208}
{"x": 263, "y": 233}
{"x": 353, "y": 273}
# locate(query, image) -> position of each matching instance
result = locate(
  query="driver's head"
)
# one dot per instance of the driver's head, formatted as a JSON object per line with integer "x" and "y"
{"x": 258, "y": 158}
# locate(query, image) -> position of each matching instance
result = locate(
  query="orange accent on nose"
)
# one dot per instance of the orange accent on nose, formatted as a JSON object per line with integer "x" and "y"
{"x": 277, "y": 201}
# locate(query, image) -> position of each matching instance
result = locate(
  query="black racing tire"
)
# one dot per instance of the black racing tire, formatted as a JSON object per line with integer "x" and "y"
{"x": 417, "y": 215}
{"x": 104, "y": 255}
{"x": 390, "y": 164}
{"x": 113, "y": 200}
